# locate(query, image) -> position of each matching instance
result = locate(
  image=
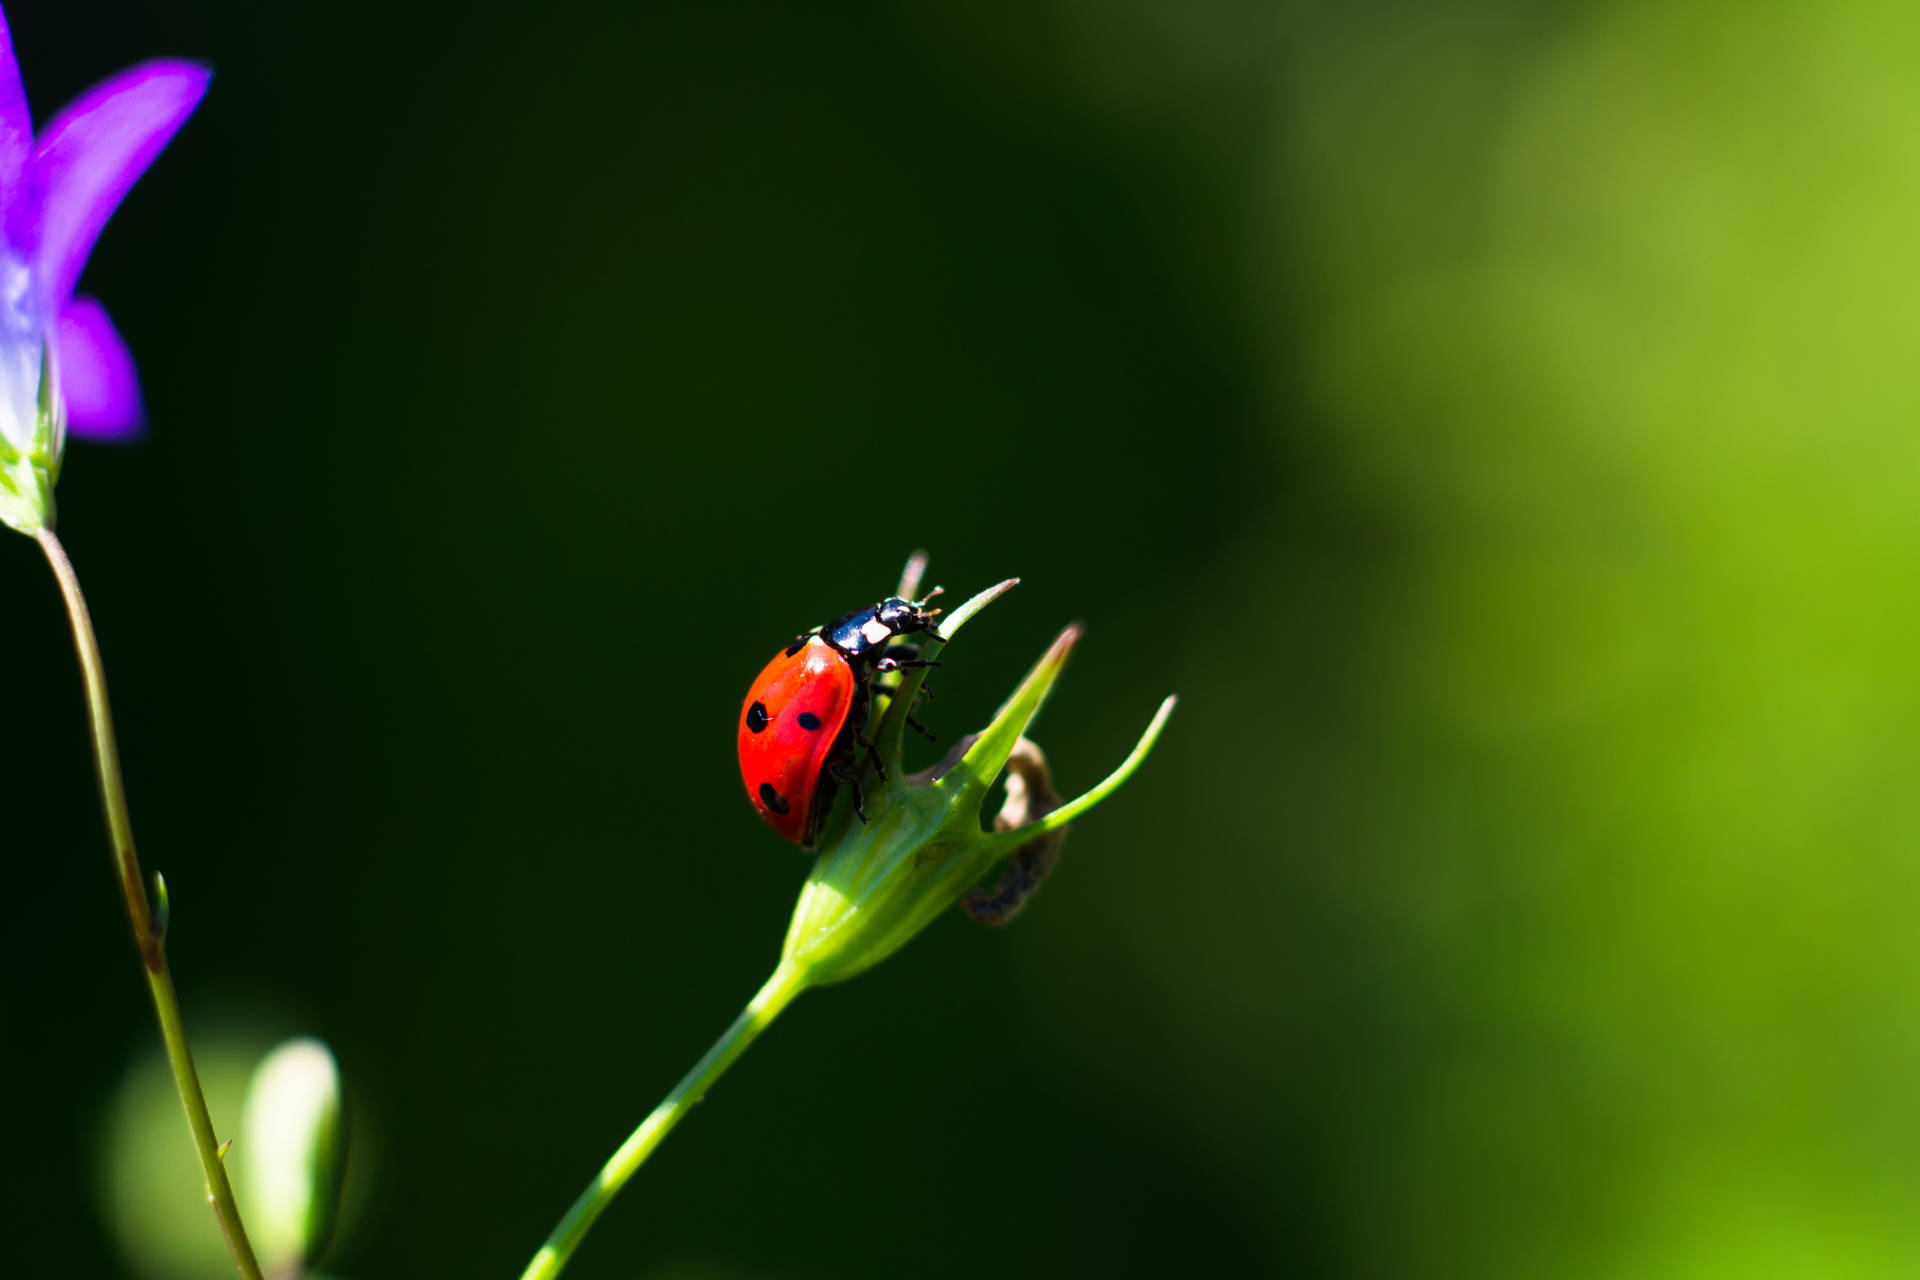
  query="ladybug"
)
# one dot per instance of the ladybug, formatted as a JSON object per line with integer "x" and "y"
{"x": 802, "y": 719}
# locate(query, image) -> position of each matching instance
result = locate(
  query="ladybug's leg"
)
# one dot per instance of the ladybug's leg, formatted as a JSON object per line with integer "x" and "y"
{"x": 873, "y": 753}
{"x": 900, "y": 657}
{"x": 844, "y": 771}
{"x": 901, "y": 664}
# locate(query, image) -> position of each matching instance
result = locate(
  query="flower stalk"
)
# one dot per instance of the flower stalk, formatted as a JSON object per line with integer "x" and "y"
{"x": 779, "y": 991}
{"x": 149, "y": 929}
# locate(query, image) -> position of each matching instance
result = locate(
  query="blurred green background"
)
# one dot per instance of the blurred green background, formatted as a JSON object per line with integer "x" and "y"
{"x": 1497, "y": 420}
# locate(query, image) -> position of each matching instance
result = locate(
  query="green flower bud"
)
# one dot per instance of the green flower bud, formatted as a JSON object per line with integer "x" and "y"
{"x": 29, "y": 468}
{"x": 292, "y": 1153}
{"x": 877, "y": 883}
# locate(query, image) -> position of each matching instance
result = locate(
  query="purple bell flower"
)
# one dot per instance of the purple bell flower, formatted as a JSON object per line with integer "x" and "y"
{"x": 56, "y": 193}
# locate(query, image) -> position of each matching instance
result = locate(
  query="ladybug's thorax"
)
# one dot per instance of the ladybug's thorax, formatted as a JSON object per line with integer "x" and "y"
{"x": 867, "y": 632}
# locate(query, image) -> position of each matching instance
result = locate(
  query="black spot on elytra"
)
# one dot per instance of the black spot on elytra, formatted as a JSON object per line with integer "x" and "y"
{"x": 807, "y": 719}
{"x": 799, "y": 643}
{"x": 773, "y": 799}
{"x": 757, "y": 717}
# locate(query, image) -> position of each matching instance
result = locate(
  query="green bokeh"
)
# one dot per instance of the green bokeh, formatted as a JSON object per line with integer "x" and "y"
{"x": 1495, "y": 420}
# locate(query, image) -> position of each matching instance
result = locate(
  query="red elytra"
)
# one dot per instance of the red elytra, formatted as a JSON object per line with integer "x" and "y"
{"x": 803, "y": 699}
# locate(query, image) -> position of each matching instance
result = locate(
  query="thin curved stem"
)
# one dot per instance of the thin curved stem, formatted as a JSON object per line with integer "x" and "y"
{"x": 148, "y": 935}
{"x": 1006, "y": 842}
{"x": 781, "y": 988}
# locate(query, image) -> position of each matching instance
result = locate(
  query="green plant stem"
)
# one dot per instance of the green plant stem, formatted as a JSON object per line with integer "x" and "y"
{"x": 781, "y": 988}
{"x": 147, "y": 935}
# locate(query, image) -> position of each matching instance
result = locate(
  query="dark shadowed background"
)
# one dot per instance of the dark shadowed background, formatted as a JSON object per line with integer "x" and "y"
{"x": 1496, "y": 420}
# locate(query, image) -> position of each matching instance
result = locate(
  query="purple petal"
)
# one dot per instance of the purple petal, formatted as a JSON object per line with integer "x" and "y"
{"x": 97, "y": 377}
{"x": 16, "y": 146}
{"x": 97, "y": 148}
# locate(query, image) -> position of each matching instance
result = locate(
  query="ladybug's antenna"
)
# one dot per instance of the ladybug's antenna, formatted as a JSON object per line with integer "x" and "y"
{"x": 922, "y": 604}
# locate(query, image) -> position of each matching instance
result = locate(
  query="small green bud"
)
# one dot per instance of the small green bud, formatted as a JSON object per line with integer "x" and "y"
{"x": 292, "y": 1153}
{"x": 877, "y": 883}
{"x": 30, "y": 453}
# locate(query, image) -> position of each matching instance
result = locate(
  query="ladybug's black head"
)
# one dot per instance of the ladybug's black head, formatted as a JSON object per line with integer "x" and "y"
{"x": 900, "y": 616}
